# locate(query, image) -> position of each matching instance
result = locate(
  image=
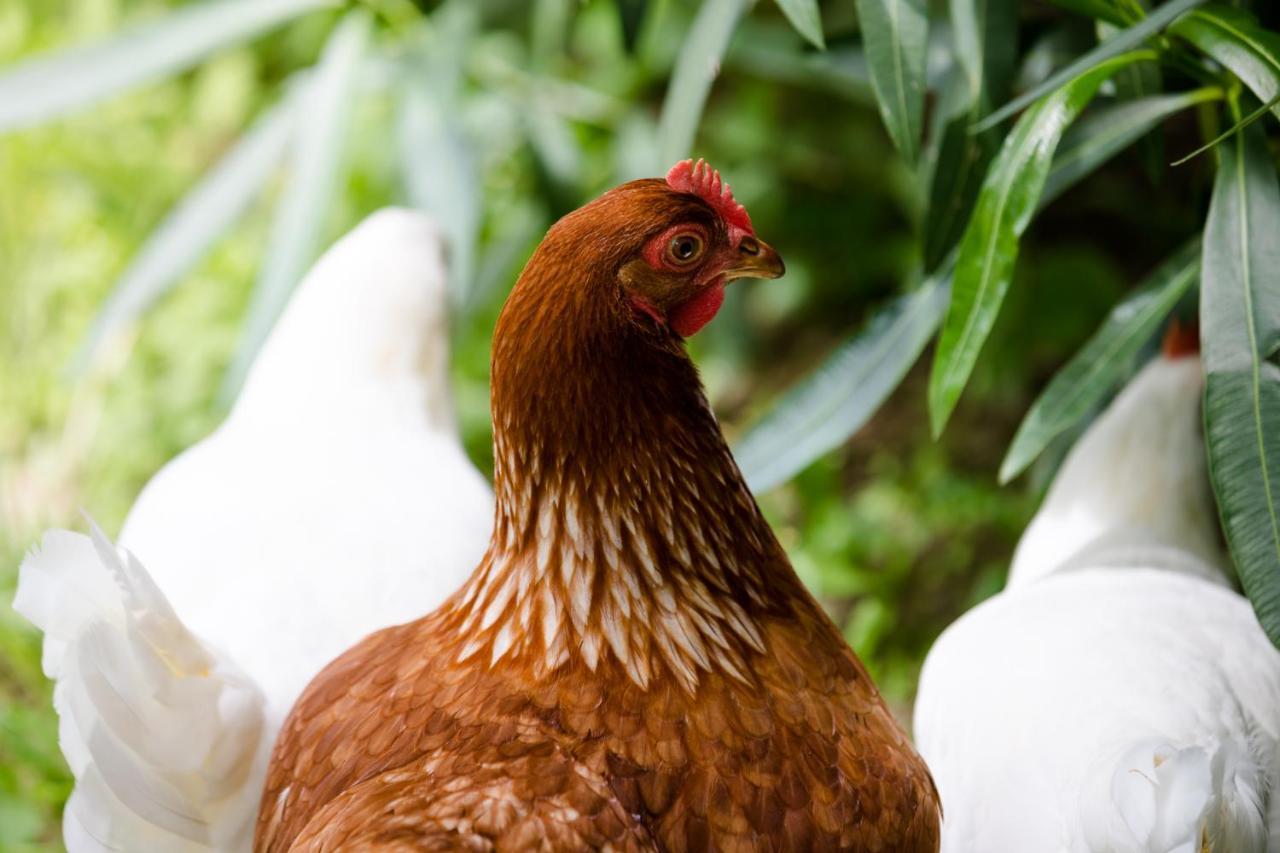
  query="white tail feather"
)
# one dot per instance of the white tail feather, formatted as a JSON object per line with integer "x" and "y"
{"x": 165, "y": 736}
{"x": 1158, "y": 798}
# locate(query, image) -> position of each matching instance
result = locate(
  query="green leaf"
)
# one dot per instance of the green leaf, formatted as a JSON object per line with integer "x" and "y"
{"x": 1240, "y": 331}
{"x": 631, "y": 21}
{"x": 894, "y": 36}
{"x": 441, "y": 177}
{"x": 203, "y": 215}
{"x": 1234, "y": 39}
{"x": 1124, "y": 40}
{"x": 1231, "y": 131}
{"x": 985, "y": 33}
{"x": 1102, "y": 362}
{"x": 827, "y": 407}
{"x": 696, "y": 68}
{"x": 317, "y": 155}
{"x": 48, "y": 86}
{"x": 804, "y": 16}
{"x": 986, "y": 37}
{"x": 957, "y": 176}
{"x": 1142, "y": 80}
{"x": 773, "y": 53}
{"x": 989, "y": 247}
{"x": 437, "y": 158}
{"x": 1103, "y": 134}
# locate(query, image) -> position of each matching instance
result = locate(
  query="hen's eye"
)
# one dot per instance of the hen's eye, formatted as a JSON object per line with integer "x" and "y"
{"x": 684, "y": 248}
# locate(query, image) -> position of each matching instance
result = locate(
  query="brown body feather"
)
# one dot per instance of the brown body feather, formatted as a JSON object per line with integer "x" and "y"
{"x": 634, "y": 665}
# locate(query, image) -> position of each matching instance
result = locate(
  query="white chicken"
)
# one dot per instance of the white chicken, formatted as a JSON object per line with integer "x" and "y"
{"x": 1119, "y": 695}
{"x": 341, "y": 451}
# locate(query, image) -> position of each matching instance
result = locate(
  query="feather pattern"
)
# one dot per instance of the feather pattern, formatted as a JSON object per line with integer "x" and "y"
{"x": 153, "y": 719}
{"x": 633, "y": 665}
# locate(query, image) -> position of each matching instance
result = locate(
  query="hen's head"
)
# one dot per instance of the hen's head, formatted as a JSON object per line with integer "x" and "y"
{"x": 663, "y": 250}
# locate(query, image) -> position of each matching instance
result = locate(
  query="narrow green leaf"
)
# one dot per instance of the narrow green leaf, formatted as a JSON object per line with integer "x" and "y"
{"x": 203, "y": 215}
{"x": 1102, "y": 362}
{"x": 1103, "y": 134}
{"x": 1124, "y": 40}
{"x": 1138, "y": 81}
{"x": 1235, "y": 40}
{"x": 317, "y": 154}
{"x": 773, "y": 53}
{"x": 804, "y": 16}
{"x": 441, "y": 177}
{"x": 631, "y": 20}
{"x": 1240, "y": 332}
{"x": 986, "y": 37}
{"x": 1231, "y": 131}
{"x": 985, "y": 34}
{"x": 989, "y": 247}
{"x": 963, "y": 158}
{"x": 48, "y": 86}
{"x": 894, "y": 36}
{"x": 696, "y": 68}
{"x": 831, "y": 404}
{"x": 549, "y": 30}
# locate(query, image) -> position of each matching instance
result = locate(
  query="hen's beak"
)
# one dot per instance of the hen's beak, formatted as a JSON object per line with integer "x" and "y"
{"x": 756, "y": 259}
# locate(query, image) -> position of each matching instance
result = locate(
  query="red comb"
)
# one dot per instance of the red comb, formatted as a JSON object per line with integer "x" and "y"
{"x": 1181, "y": 340}
{"x": 701, "y": 180}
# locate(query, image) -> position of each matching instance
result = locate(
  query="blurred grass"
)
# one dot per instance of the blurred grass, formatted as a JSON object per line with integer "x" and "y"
{"x": 898, "y": 535}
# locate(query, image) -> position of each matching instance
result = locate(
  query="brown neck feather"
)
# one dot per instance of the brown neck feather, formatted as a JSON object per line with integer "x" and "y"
{"x": 624, "y": 533}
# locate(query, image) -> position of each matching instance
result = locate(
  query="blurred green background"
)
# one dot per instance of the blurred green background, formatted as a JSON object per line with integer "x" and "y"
{"x": 897, "y": 533}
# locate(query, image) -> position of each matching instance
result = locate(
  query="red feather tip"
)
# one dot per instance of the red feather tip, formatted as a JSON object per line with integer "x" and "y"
{"x": 1181, "y": 340}
{"x": 701, "y": 180}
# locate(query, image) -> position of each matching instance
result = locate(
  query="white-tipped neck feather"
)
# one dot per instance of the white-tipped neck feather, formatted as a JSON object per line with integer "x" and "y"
{"x": 367, "y": 328}
{"x": 1134, "y": 491}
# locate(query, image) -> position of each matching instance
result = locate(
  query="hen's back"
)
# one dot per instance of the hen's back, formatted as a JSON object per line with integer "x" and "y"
{"x": 1113, "y": 709}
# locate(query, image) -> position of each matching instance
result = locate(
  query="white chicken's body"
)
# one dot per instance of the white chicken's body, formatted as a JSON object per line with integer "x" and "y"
{"x": 1118, "y": 696}
{"x": 334, "y": 501}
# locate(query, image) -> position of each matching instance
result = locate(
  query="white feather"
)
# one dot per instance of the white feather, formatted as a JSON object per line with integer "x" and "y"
{"x": 1119, "y": 696}
{"x": 154, "y": 720}
{"x": 334, "y": 501}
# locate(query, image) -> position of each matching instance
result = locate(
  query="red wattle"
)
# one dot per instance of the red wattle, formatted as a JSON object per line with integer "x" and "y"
{"x": 698, "y": 311}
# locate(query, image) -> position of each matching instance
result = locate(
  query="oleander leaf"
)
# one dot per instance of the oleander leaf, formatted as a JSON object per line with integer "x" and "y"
{"x": 1102, "y": 362}
{"x": 1235, "y": 40}
{"x": 1122, "y": 41}
{"x": 192, "y": 227}
{"x": 804, "y": 16}
{"x": 1240, "y": 337}
{"x": 895, "y": 38}
{"x": 989, "y": 248}
{"x": 48, "y": 86}
{"x": 695, "y": 70}
{"x": 833, "y": 402}
{"x": 317, "y": 149}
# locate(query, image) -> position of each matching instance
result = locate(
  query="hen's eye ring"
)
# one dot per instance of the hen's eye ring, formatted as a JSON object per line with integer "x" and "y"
{"x": 684, "y": 249}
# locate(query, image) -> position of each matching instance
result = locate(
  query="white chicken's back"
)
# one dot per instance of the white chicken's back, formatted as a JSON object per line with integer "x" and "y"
{"x": 1052, "y": 716}
{"x": 336, "y": 499}
{"x": 1119, "y": 695}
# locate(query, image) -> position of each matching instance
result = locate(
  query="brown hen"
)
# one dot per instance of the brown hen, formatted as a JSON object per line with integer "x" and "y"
{"x": 634, "y": 665}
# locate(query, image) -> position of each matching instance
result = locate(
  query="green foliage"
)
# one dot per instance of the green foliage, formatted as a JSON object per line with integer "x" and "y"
{"x": 895, "y": 35}
{"x": 1005, "y": 205}
{"x": 1240, "y": 319}
{"x": 322, "y": 113}
{"x": 1233, "y": 38}
{"x": 821, "y": 411}
{"x": 1100, "y": 364}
